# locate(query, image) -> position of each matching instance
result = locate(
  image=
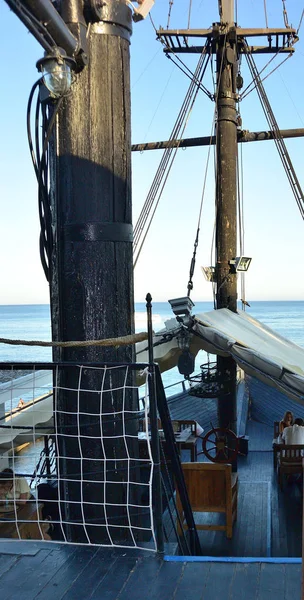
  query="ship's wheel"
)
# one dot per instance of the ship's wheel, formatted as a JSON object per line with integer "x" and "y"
{"x": 221, "y": 445}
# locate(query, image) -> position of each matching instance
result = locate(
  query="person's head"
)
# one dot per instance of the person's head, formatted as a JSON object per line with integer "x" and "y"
{"x": 288, "y": 418}
{"x": 299, "y": 421}
{"x": 6, "y": 481}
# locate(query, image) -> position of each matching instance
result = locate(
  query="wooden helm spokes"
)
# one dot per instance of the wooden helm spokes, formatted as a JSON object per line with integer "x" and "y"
{"x": 221, "y": 445}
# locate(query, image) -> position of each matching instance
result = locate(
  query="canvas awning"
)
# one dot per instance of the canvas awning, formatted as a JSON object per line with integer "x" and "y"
{"x": 256, "y": 348}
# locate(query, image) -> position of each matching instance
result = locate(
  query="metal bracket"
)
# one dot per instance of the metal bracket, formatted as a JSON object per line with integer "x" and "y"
{"x": 112, "y": 17}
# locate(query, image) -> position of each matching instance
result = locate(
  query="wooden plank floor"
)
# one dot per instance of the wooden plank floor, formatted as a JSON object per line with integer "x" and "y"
{"x": 269, "y": 520}
{"x": 42, "y": 570}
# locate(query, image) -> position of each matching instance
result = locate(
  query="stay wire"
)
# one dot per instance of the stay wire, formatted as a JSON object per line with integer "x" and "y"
{"x": 301, "y": 19}
{"x": 193, "y": 260}
{"x": 176, "y": 132}
{"x": 265, "y": 11}
{"x": 279, "y": 142}
{"x": 253, "y": 82}
{"x": 185, "y": 68}
{"x": 171, "y": 2}
{"x": 189, "y": 13}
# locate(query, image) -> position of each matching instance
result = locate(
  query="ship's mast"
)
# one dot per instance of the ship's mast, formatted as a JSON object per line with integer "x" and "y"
{"x": 226, "y": 208}
{"x": 227, "y": 41}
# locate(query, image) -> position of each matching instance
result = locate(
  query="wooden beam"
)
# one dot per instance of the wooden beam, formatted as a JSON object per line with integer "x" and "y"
{"x": 208, "y": 33}
{"x": 242, "y": 136}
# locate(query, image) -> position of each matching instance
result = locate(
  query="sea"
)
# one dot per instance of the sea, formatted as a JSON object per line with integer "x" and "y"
{"x": 32, "y": 322}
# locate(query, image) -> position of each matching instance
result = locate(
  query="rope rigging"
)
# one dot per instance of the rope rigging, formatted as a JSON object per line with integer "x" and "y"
{"x": 273, "y": 125}
{"x": 142, "y": 226}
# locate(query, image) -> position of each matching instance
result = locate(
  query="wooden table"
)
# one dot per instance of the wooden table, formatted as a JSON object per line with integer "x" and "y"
{"x": 184, "y": 440}
{"x": 27, "y": 517}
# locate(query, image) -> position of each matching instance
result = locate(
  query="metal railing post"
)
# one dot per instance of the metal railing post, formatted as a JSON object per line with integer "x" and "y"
{"x": 157, "y": 504}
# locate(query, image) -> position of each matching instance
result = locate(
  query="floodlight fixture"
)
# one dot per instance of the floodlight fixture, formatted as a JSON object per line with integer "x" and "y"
{"x": 182, "y": 306}
{"x": 209, "y": 273}
{"x": 241, "y": 263}
{"x": 56, "y": 69}
{"x": 143, "y": 10}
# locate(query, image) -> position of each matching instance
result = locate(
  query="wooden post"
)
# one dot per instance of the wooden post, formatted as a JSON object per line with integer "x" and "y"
{"x": 226, "y": 148}
{"x": 92, "y": 267}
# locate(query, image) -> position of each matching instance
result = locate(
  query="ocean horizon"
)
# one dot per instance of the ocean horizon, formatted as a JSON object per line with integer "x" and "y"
{"x": 33, "y": 322}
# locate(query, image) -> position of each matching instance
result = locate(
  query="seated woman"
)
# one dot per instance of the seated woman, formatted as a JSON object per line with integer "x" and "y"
{"x": 287, "y": 421}
{"x": 13, "y": 489}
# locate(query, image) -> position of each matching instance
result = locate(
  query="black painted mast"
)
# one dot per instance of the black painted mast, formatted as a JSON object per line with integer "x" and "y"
{"x": 226, "y": 200}
{"x": 227, "y": 41}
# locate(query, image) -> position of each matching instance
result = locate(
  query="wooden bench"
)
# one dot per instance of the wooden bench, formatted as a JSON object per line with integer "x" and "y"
{"x": 212, "y": 488}
{"x": 27, "y": 527}
{"x": 289, "y": 460}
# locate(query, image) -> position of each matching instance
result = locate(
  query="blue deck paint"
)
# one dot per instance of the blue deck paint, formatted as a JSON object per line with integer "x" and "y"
{"x": 235, "y": 559}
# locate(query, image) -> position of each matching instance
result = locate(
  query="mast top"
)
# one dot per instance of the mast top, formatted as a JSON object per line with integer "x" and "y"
{"x": 226, "y": 11}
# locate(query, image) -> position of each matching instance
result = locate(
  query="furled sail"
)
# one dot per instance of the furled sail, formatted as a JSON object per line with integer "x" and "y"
{"x": 256, "y": 348}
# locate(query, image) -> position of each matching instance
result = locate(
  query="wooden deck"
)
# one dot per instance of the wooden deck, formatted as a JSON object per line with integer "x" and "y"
{"x": 268, "y": 527}
{"x": 269, "y": 522}
{"x": 43, "y": 571}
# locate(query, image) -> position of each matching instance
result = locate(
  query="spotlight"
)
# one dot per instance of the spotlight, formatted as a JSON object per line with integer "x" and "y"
{"x": 182, "y": 306}
{"x": 56, "y": 70}
{"x": 209, "y": 273}
{"x": 241, "y": 263}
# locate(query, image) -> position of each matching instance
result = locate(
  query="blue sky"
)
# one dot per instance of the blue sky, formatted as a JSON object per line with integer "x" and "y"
{"x": 273, "y": 225}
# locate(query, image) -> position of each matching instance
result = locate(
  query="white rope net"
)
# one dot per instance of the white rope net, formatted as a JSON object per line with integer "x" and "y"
{"x": 75, "y": 457}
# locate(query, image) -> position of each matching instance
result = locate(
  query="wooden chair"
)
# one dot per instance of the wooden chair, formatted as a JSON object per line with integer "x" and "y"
{"x": 212, "y": 488}
{"x": 191, "y": 443}
{"x": 290, "y": 457}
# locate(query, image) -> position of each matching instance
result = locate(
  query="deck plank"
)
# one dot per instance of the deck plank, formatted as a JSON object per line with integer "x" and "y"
{"x": 166, "y": 582}
{"x": 219, "y": 587}
{"x": 245, "y": 582}
{"x": 6, "y": 563}
{"x": 272, "y": 580}
{"x": 76, "y": 560}
{"x": 91, "y": 577}
{"x": 114, "y": 581}
{"x": 141, "y": 580}
{"x": 192, "y": 581}
{"x": 20, "y": 579}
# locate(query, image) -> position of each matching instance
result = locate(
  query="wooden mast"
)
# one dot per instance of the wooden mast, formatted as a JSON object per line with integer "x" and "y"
{"x": 226, "y": 200}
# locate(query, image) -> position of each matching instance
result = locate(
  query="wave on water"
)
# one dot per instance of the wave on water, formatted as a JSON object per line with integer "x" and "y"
{"x": 141, "y": 319}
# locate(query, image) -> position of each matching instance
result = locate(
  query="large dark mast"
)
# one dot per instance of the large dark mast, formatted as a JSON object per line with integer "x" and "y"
{"x": 226, "y": 193}
{"x": 227, "y": 41}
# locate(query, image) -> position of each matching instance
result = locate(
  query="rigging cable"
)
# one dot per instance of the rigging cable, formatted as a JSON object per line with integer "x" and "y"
{"x": 184, "y": 67}
{"x": 240, "y": 205}
{"x": 189, "y": 13}
{"x": 165, "y": 164}
{"x": 279, "y": 142}
{"x": 243, "y": 95}
{"x": 265, "y": 11}
{"x": 39, "y": 156}
{"x": 171, "y": 2}
{"x": 192, "y": 264}
{"x": 252, "y": 84}
{"x": 300, "y": 23}
{"x": 285, "y": 16}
